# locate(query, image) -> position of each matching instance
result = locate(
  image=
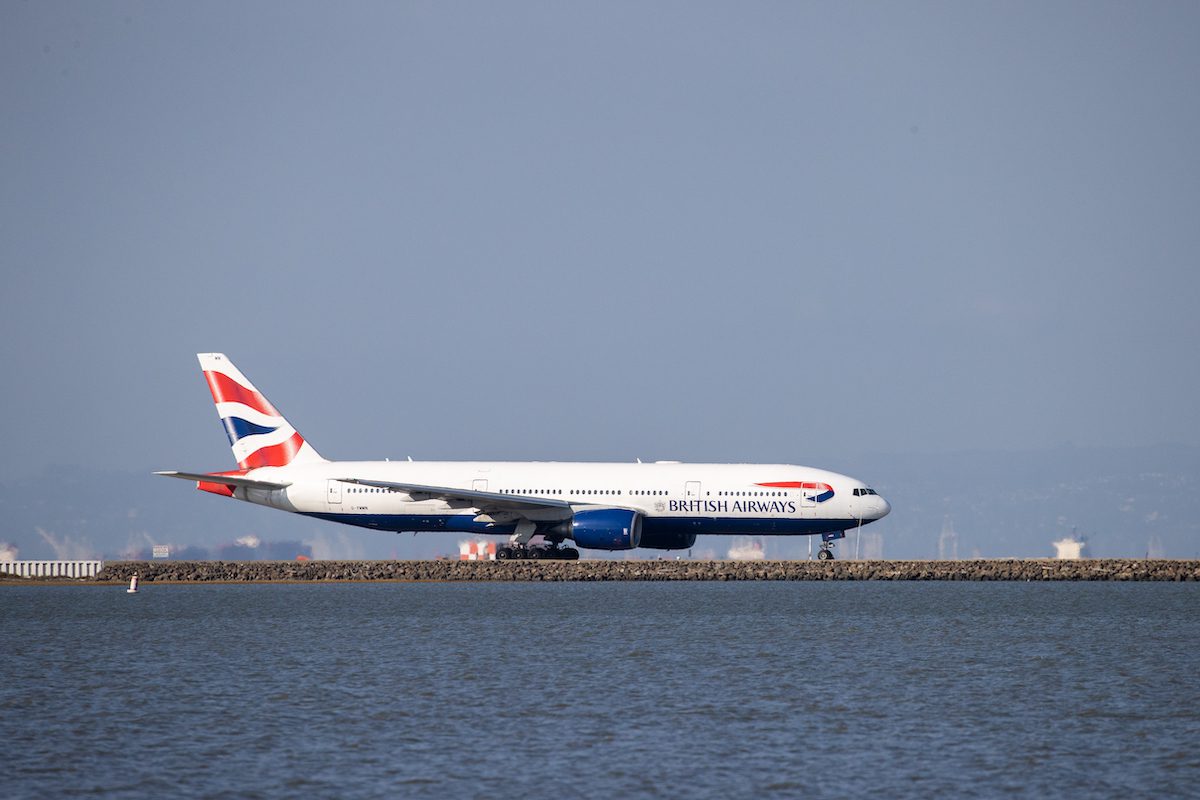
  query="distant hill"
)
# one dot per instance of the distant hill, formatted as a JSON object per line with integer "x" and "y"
{"x": 1125, "y": 501}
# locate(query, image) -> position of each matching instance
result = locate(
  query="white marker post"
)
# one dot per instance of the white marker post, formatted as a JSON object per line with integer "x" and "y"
{"x": 132, "y": 585}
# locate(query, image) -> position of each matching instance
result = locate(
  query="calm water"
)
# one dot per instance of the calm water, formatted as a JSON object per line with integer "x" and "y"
{"x": 598, "y": 690}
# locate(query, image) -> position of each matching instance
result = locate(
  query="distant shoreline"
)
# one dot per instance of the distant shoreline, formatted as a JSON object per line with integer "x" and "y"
{"x": 240, "y": 572}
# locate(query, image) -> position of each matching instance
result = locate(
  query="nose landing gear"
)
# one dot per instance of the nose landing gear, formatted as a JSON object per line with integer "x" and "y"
{"x": 827, "y": 539}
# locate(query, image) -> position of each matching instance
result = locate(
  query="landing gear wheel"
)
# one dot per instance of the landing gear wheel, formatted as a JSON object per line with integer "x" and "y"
{"x": 503, "y": 554}
{"x": 570, "y": 554}
{"x": 518, "y": 553}
{"x": 825, "y": 554}
{"x": 535, "y": 554}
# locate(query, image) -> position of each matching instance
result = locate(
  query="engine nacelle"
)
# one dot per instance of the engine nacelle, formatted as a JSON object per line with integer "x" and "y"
{"x": 605, "y": 529}
{"x": 668, "y": 541}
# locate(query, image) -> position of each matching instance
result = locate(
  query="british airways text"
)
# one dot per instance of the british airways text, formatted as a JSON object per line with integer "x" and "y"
{"x": 737, "y": 506}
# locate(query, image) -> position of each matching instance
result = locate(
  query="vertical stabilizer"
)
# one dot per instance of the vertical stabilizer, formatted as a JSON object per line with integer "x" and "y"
{"x": 258, "y": 434}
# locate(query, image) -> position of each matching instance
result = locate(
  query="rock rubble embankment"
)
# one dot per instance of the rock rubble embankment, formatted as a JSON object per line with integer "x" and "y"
{"x": 977, "y": 570}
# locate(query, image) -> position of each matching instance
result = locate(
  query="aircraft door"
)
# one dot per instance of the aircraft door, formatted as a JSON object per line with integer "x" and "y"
{"x": 808, "y": 500}
{"x": 334, "y": 493}
{"x": 479, "y": 485}
{"x": 691, "y": 490}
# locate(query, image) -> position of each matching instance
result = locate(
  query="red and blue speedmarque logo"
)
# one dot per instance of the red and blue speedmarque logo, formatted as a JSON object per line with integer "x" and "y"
{"x": 826, "y": 491}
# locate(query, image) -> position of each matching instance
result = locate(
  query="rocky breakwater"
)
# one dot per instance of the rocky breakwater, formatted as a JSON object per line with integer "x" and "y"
{"x": 978, "y": 570}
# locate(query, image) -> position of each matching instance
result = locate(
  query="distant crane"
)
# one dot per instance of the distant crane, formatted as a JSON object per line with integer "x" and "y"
{"x": 948, "y": 541}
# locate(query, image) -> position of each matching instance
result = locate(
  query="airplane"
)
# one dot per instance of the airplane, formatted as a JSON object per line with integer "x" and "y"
{"x": 662, "y": 505}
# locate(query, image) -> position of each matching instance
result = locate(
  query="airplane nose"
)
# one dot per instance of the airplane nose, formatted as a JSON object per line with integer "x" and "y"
{"x": 885, "y": 508}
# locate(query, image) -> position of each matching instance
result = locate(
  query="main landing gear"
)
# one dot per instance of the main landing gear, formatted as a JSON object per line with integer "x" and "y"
{"x": 520, "y": 546}
{"x": 544, "y": 552}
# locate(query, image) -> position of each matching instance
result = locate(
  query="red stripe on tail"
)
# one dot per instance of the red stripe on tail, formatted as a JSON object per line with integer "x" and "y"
{"x": 277, "y": 455}
{"x": 226, "y": 390}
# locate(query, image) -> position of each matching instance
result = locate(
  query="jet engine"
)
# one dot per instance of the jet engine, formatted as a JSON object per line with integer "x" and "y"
{"x": 668, "y": 541}
{"x": 604, "y": 529}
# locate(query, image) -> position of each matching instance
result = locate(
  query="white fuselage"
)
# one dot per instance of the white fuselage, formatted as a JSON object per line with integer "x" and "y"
{"x": 598, "y": 506}
{"x": 672, "y": 497}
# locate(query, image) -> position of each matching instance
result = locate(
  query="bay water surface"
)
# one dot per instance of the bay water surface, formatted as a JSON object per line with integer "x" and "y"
{"x": 599, "y": 690}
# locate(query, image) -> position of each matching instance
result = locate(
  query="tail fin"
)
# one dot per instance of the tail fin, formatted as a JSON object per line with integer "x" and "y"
{"x": 259, "y": 434}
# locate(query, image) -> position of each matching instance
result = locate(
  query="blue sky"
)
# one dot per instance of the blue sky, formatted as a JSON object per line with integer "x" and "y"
{"x": 726, "y": 232}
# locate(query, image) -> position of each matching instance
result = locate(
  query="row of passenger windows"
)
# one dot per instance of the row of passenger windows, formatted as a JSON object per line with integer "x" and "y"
{"x": 587, "y": 492}
{"x": 577, "y": 492}
{"x": 632, "y": 492}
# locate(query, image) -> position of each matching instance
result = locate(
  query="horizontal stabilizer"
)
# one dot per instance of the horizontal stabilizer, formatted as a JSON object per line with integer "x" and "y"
{"x": 228, "y": 480}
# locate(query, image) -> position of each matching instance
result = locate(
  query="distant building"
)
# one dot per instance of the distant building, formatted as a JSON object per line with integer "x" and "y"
{"x": 746, "y": 548}
{"x": 191, "y": 552}
{"x": 477, "y": 550}
{"x": 1071, "y": 549}
{"x": 251, "y": 548}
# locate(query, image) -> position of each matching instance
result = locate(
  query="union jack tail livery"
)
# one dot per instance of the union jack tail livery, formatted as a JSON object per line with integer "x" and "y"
{"x": 258, "y": 434}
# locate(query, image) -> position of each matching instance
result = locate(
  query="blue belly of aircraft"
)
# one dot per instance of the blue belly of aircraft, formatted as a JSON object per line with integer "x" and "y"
{"x": 465, "y": 523}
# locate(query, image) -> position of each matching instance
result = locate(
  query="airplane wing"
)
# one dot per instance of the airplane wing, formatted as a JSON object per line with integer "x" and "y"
{"x": 485, "y": 501}
{"x": 228, "y": 480}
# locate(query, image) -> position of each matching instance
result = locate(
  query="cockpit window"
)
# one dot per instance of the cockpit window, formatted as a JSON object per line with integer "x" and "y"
{"x": 864, "y": 492}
